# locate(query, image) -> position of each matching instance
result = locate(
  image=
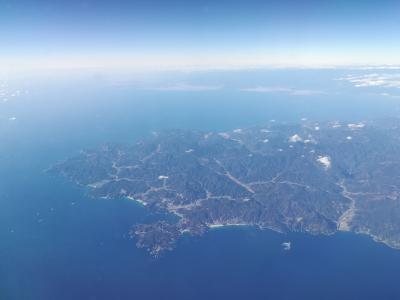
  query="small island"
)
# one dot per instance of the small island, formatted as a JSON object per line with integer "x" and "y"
{"x": 313, "y": 177}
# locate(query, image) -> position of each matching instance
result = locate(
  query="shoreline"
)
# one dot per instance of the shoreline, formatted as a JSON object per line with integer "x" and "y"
{"x": 138, "y": 201}
{"x": 216, "y": 226}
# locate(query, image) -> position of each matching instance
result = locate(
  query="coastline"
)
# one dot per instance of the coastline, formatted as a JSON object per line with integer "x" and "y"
{"x": 216, "y": 226}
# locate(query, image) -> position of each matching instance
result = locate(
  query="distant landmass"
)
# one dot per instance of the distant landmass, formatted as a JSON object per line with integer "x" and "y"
{"x": 311, "y": 177}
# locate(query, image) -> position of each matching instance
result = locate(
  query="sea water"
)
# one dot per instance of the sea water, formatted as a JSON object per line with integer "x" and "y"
{"x": 58, "y": 243}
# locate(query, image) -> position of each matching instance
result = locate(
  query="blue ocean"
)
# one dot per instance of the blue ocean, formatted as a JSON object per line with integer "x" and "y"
{"x": 58, "y": 243}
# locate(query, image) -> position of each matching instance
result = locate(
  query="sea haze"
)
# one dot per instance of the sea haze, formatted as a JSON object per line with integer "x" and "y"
{"x": 58, "y": 243}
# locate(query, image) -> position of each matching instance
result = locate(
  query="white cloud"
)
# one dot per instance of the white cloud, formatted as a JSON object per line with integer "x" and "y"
{"x": 238, "y": 130}
{"x": 389, "y": 95}
{"x": 374, "y": 80}
{"x": 284, "y": 90}
{"x": 183, "y": 87}
{"x": 306, "y": 93}
{"x": 295, "y": 138}
{"x": 325, "y": 161}
{"x": 356, "y": 126}
{"x": 224, "y": 135}
{"x": 262, "y": 89}
{"x": 384, "y": 67}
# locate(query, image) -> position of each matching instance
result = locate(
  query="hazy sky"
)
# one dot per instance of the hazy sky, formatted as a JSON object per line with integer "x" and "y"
{"x": 152, "y": 34}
